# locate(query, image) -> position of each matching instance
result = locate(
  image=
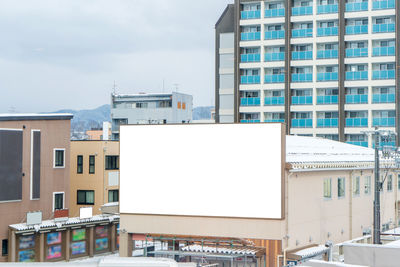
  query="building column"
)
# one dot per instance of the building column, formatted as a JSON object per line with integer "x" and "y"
{"x": 67, "y": 244}
{"x": 91, "y": 241}
{"x": 41, "y": 247}
{"x": 12, "y": 247}
{"x": 113, "y": 238}
{"x": 342, "y": 50}
{"x": 125, "y": 244}
{"x": 288, "y": 54}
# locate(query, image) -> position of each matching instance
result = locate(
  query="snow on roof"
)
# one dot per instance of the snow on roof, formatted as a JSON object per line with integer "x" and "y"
{"x": 394, "y": 244}
{"x": 220, "y": 250}
{"x": 311, "y": 252}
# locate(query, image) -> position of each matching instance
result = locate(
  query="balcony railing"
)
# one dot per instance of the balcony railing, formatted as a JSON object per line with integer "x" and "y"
{"x": 275, "y": 120}
{"x": 251, "y": 14}
{"x": 357, "y": 122}
{"x": 274, "y": 101}
{"x": 302, "y": 10}
{"x": 327, "y": 99}
{"x": 383, "y": 98}
{"x": 302, "y": 123}
{"x": 250, "y": 79}
{"x": 326, "y": 9}
{"x": 325, "y": 54}
{"x": 357, "y": 29}
{"x": 383, "y": 74}
{"x": 384, "y": 122}
{"x": 384, "y": 4}
{"x": 356, "y": 99}
{"x": 328, "y": 31}
{"x": 384, "y": 51}
{"x": 356, "y": 75}
{"x": 276, "y": 56}
{"x": 302, "y": 55}
{"x": 327, "y": 76}
{"x": 302, "y": 77}
{"x": 354, "y": 7}
{"x": 302, "y": 33}
{"x": 272, "y": 13}
{"x": 250, "y": 58}
{"x": 271, "y": 35}
{"x": 274, "y": 78}
{"x": 250, "y": 36}
{"x": 358, "y": 143}
{"x": 327, "y": 123}
{"x": 380, "y": 28}
{"x": 250, "y": 121}
{"x": 357, "y": 52}
{"x": 302, "y": 100}
{"x": 250, "y": 101}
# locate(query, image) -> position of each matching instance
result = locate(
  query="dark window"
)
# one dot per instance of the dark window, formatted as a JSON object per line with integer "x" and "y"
{"x": 58, "y": 201}
{"x": 79, "y": 163}
{"x": 59, "y": 158}
{"x": 112, "y": 163}
{"x": 85, "y": 197}
{"x": 4, "y": 247}
{"x": 113, "y": 196}
{"x": 91, "y": 164}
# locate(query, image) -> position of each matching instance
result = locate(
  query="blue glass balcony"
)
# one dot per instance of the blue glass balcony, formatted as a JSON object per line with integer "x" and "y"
{"x": 357, "y": 122}
{"x": 357, "y": 29}
{"x": 384, "y": 4}
{"x": 250, "y": 121}
{"x": 302, "y": 100}
{"x": 327, "y": 123}
{"x": 327, "y": 76}
{"x": 383, "y": 98}
{"x": 379, "y": 28}
{"x": 356, "y": 99}
{"x": 253, "y": 14}
{"x": 302, "y": 123}
{"x": 325, "y": 9}
{"x": 274, "y": 101}
{"x": 302, "y": 33}
{"x": 356, "y": 75}
{"x": 272, "y": 13}
{"x": 275, "y": 120}
{"x": 384, "y": 122}
{"x": 276, "y": 56}
{"x": 328, "y": 31}
{"x": 302, "y": 77}
{"x": 383, "y": 74}
{"x": 321, "y": 54}
{"x": 250, "y": 58}
{"x": 383, "y": 144}
{"x": 357, "y": 52}
{"x": 327, "y": 99}
{"x": 358, "y": 143}
{"x": 251, "y": 79}
{"x": 250, "y": 36}
{"x": 384, "y": 51}
{"x": 250, "y": 101}
{"x": 302, "y": 55}
{"x": 274, "y": 78}
{"x": 302, "y": 10}
{"x": 354, "y": 7}
{"x": 271, "y": 35}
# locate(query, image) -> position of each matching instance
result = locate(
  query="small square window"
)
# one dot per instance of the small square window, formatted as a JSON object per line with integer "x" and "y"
{"x": 85, "y": 197}
{"x": 59, "y": 158}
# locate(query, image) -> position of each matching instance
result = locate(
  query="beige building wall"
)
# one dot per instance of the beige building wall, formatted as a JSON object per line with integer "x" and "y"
{"x": 54, "y": 134}
{"x": 99, "y": 181}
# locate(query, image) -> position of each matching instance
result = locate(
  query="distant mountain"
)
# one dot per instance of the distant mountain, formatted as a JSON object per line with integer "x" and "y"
{"x": 202, "y": 113}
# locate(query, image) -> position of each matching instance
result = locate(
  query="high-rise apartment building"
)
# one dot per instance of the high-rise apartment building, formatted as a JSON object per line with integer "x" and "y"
{"x": 327, "y": 68}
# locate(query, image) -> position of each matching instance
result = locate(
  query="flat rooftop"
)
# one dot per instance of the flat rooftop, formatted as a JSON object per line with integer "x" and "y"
{"x": 35, "y": 116}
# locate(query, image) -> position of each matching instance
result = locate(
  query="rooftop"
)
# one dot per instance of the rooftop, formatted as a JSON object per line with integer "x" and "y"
{"x": 35, "y": 116}
{"x": 147, "y": 95}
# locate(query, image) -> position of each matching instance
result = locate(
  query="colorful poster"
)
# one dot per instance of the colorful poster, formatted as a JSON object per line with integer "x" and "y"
{"x": 101, "y": 244}
{"x": 78, "y": 248}
{"x": 54, "y": 252}
{"x": 53, "y": 238}
{"x": 101, "y": 231}
{"x": 78, "y": 234}
{"x": 26, "y": 242}
{"x": 26, "y": 255}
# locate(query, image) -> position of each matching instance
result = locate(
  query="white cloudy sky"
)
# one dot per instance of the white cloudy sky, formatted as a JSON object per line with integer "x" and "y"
{"x": 57, "y": 54}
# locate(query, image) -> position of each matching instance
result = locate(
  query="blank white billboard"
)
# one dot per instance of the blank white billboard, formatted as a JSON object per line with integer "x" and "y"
{"x": 223, "y": 170}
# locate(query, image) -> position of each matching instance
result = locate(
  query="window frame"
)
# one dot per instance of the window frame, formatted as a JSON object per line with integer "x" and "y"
{"x": 344, "y": 188}
{"x": 4, "y": 247}
{"x": 54, "y": 158}
{"x": 79, "y": 165}
{"x": 389, "y": 179}
{"x": 356, "y": 186}
{"x": 367, "y": 185}
{"x": 107, "y": 168}
{"x": 113, "y": 192}
{"x": 86, "y": 202}
{"x": 92, "y": 165}
{"x": 54, "y": 200}
{"x": 330, "y": 189}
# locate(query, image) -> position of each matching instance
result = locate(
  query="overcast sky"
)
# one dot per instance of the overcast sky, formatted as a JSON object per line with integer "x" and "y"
{"x": 57, "y": 54}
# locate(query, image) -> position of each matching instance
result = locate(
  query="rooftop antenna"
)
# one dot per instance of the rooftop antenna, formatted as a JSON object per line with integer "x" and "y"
{"x": 114, "y": 88}
{"x": 176, "y": 85}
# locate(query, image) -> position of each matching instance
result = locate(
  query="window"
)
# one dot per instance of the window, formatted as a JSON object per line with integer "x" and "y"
{"x": 112, "y": 163}
{"x": 79, "y": 164}
{"x": 389, "y": 183}
{"x": 398, "y": 181}
{"x": 328, "y": 188}
{"x": 91, "y": 164}
{"x": 113, "y": 196}
{"x": 4, "y": 247}
{"x": 85, "y": 197}
{"x": 58, "y": 201}
{"x": 356, "y": 186}
{"x": 341, "y": 187}
{"x": 59, "y": 158}
{"x": 367, "y": 185}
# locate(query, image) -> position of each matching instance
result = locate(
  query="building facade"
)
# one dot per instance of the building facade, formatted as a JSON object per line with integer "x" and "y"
{"x": 34, "y": 168}
{"x": 326, "y": 68}
{"x": 94, "y": 175}
{"x": 149, "y": 109}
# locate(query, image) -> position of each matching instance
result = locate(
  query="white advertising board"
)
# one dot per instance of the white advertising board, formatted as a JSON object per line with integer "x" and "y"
{"x": 218, "y": 170}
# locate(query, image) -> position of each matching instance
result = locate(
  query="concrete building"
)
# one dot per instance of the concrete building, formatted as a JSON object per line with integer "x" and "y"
{"x": 34, "y": 168}
{"x": 100, "y": 133}
{"x": 326, "y": 68}
{"x": 94, "y": 175}
{"x": 149, "y": 109}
